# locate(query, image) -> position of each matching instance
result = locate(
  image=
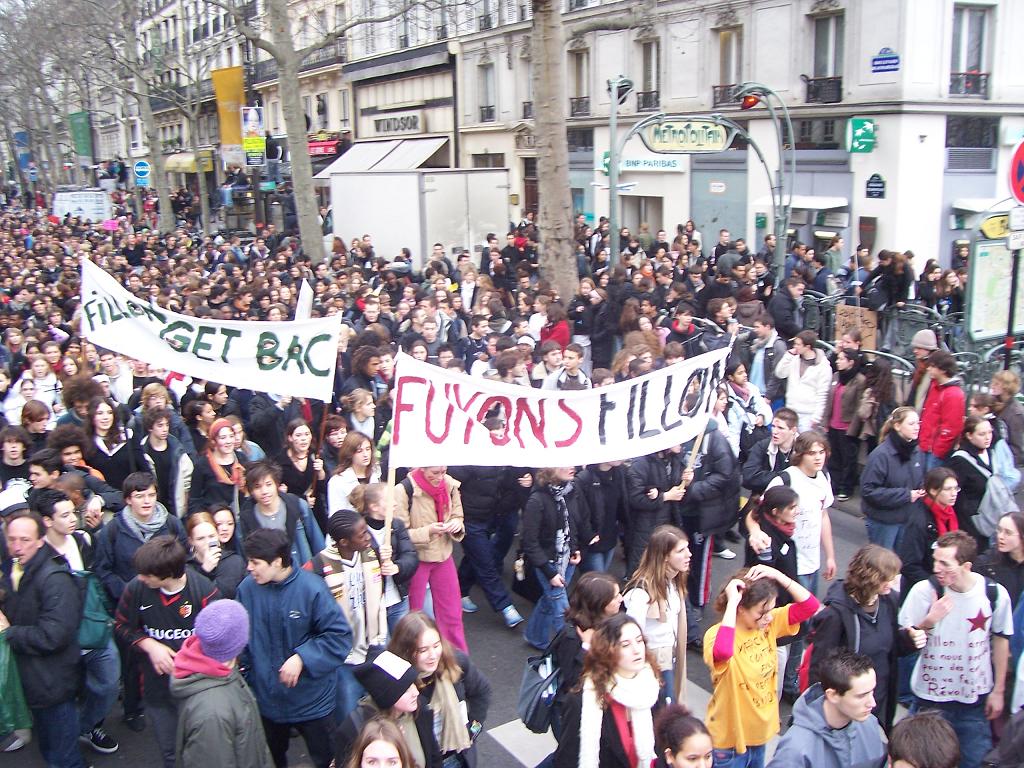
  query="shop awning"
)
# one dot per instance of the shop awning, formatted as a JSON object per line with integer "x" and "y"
{"x": 410, "y": 153}
{"x": 982, "y": 204}
{"x": 185, "y": 162}
{"x": 322, "y": 148}
{"x": 809, "y": 202}
{"x": 388, "y": 155}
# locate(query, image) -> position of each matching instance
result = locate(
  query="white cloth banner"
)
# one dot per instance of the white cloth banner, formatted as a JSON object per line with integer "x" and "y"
{"x": 289, "y": 358}
{"x": 439, "y": 414}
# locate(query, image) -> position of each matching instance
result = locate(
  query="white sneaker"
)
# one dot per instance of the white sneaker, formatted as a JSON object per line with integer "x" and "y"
{"x": 725, "y": 554}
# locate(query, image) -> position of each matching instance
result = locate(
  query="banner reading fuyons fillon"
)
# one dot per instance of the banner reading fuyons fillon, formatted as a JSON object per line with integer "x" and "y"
{"x": 438, "y": 416}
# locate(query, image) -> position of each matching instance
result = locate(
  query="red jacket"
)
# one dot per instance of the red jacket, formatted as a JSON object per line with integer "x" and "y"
{"x": 942, "y": 418}
{"x": 558, "y": 332}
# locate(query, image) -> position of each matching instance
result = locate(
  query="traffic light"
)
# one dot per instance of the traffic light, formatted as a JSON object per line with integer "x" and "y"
{"x": 750, "y": 101}
{"x": 623, "y": 87}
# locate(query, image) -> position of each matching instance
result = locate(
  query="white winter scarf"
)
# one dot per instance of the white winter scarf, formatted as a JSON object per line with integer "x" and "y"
{"x": 638, "y": 695}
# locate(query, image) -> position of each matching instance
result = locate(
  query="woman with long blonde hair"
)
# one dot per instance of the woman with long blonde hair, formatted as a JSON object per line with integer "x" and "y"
{"x": 655, "y": 597}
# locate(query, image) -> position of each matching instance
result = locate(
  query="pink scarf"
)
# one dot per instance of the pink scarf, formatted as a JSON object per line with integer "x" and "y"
{"x": 439, "y": 493}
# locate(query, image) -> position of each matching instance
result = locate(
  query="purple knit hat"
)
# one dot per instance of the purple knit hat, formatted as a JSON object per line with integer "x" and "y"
{"x": 223, "y": 629}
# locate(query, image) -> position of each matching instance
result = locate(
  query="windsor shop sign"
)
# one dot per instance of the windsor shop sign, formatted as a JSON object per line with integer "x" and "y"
{"x": 439, "y": 414}
{"x": 289, "y": 358}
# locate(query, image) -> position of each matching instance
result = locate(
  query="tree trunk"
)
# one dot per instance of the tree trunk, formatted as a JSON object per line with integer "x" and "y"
{"x": 204, "y": 193}
{"x": 295, "y": 126}
{"x": 557, "y": 255}
{"x": 158, "y": 176}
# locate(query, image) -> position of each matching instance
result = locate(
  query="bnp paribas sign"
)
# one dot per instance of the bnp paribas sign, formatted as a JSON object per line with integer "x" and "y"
{"x": 686, "y": 136}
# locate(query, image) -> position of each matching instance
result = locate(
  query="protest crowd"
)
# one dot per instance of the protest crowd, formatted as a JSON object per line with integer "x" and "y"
{"x": 226, "y": 567}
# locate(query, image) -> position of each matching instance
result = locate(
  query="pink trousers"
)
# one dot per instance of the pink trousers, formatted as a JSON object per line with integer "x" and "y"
{"x": 447, "y": 597}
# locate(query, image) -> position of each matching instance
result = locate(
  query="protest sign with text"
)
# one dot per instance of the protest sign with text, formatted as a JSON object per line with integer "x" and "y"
{"x": 289, "y": 358}
{"x": 438, "y": 416}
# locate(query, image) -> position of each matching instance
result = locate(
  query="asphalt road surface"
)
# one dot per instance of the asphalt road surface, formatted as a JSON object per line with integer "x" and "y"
{"x": 500, "y": 653}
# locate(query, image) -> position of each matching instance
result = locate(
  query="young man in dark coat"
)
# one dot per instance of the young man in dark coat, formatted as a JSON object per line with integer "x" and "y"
{"x": 41, "y": 611}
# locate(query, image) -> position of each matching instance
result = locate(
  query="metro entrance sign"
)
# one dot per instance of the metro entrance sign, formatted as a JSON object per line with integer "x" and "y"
{"x": 680, "y": 135}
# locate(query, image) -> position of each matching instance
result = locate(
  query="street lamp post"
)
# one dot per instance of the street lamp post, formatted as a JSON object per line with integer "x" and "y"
{"x": 619, "y": 87}
{"x": 751, "y": 94}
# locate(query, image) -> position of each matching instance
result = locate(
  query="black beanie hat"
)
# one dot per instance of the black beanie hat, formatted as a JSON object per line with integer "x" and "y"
{"x": 386, "y": 678}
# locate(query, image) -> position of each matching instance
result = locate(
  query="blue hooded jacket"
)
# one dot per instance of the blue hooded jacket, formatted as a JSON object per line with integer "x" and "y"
{"x": 297, "y": 615}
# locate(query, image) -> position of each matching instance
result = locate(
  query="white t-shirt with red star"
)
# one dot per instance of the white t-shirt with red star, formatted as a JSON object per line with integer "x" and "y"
{"x": 956, "y": 663}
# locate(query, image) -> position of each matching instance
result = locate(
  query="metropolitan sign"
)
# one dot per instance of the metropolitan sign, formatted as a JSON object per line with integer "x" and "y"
{"x": 687, "y": 137}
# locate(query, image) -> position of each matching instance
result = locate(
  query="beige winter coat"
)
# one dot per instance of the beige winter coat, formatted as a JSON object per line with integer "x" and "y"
{"x": 421, "y": 514}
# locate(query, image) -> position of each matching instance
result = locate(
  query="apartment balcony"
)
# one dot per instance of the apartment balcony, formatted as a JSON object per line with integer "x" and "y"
{"x": 824, "y": 90}
{"x": 579, "y": 106}
{"x": 264, "y": 71}
{"x": 527, "y": 110}
{"x": 487, "y": 114}
{"x": 485, "y": 22}
{"x": 968, "y": 84}
{"x": 648, "y": 101}
{"x": 335, "y": 53}
{"x": 724, "y": 95}
{"x": 249, "y": 10}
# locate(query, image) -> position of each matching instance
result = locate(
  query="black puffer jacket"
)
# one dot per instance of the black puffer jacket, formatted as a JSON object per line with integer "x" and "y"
{"x": 914, "y": 545}
{"x": 473, "y": 690}
{"x": 647, "y": 472}
{"x": 44, "y": 614}
{"x": 842, "y": 623}
{"x": 542, "y": 521}
{"x": 759, "y": 469}
{"x": 607, "y": 497}
{"x": 714, "y": 494}
{"x": 1003, "y": 569}
{"x": 485, "y": 490}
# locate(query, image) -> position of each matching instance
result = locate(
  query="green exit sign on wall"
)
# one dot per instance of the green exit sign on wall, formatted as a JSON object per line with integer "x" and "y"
{"x": 860, "y": 134}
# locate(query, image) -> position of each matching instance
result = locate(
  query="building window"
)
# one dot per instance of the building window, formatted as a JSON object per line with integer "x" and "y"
{"x": 975, "y": 132}
{"x": 730, "y": 56}
{"x": 579, "y": 73}
{"x": 485, "y": 80}
{"x": 307, "y": 110}
{"x": 968, "y": 53}
{"x": 828, "y": 46}
{"x": 275, "y": 116}
{"x": 818, "y": 134}
{"x": 650, "y": 76}
{"x": 968, "y": 66}
{"x": 322, "y": 112}
{"x": 580, "y": 139}
{"x": 343, "y": 108}
{"x": 489, "y": 160}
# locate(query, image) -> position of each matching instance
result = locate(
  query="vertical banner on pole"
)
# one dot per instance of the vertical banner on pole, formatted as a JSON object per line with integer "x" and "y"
{"x": 229, "y": 88}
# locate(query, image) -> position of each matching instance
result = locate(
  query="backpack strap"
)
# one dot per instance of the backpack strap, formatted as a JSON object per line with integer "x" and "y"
{"x": 973, "y": 462}
{"x": 991, "y": 590}
{"x": 407, "y": 484}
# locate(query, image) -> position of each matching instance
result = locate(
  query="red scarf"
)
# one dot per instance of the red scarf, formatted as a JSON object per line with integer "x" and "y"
{"x": 625, "y": 729}
{"x": 945, "y": 517}
{"x": 439, "y": 493}
{"x": 787, "y": 528}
